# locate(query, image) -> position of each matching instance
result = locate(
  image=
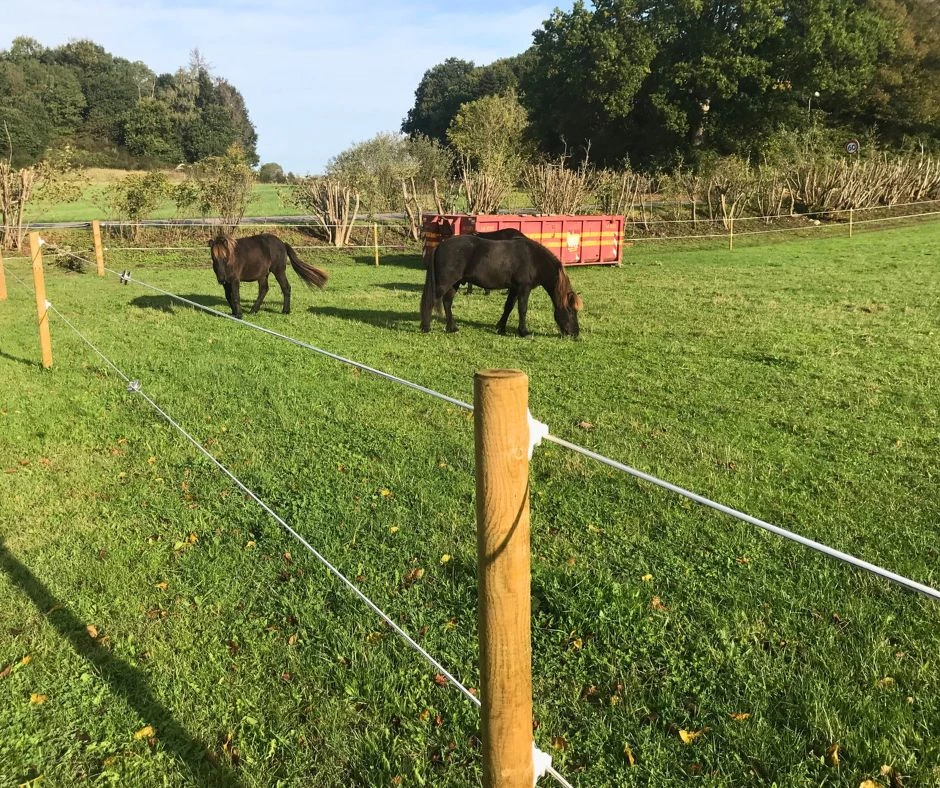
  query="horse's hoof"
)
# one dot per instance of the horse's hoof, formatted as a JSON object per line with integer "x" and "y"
{"x": 452, "y": 329}
{"x": 501, "y": 331}
{"x": 425, "y": 329}
{"x": 525, "y": 334}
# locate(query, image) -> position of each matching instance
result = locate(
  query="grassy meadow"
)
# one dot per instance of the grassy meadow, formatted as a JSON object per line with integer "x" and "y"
{"x": 158, "y": 628}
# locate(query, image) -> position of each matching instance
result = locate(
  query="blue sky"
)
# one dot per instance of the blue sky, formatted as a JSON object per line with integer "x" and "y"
{"x": 317, "y": 77}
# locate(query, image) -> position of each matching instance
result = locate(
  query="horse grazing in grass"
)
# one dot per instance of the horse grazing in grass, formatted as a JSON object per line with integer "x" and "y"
{"x": 518, "y": 264}
{"x": 497, "y": 235}
{"x": 251, "y": 259}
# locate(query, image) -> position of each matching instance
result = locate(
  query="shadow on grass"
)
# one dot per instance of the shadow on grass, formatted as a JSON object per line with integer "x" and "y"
{"x": 163, "y": 303}
{"x": 124, "y": 680}
{"x": 19, "y": 360}
{"x": 397, "y": 259}
{"x": 389, "y": 318}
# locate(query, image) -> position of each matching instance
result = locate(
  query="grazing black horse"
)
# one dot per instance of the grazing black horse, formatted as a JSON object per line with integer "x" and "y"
{"x": 518, "y": 264}
{"x": 251, "y": 259}
{"x": 497, "y": 235}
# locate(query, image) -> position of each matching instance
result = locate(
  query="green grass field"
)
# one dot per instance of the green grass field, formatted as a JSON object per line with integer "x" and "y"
{"x": 267, "y": 200}
{"x": 160, "y": 629}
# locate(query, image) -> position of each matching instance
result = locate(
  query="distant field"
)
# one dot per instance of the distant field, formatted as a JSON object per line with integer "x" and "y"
{"x": 266, "y": 201}
{"x": 159, "y": 629}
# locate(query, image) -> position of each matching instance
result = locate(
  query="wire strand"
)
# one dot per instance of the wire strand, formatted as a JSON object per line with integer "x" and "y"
{"x": 900, "y": 580}
{"x": 307, "y": 345}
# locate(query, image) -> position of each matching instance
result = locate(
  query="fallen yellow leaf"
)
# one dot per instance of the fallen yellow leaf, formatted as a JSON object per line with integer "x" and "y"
{"x": 446, "y": 558}
{"x": 870, "y": 784}
{"x": 576, "y": 644}
{"x": 151, "y": 459}
{"x": 385, "y": 492}
{"x": 886, "y": 682}
{"x": 163, "y": 585}
{"x": 249, "y": 544}
{"x": 647, "y": 577}
{"x": 629, "y": 753}
{"x": 741, "y": 715}
{"x": 38, "y": 699}
{"x": 690, "y": 736}
{"x": 657, "y": 604}
{"x": 145, "y": 733}
{"x": 26, "y": 660}
{"x": 394, "y": 529}
{"x": 832, "y": 754}
{"x": 92, "y": 631}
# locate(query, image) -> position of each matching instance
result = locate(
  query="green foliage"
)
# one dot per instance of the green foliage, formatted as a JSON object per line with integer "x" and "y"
{"x": 137, "y": 196}
{"x": 116, "y": 112}
{"x": 376, "y": 168}
{"x": 272, "y": 172}
{"x": 490, "y": 134}
{"x": 221, "y": 185}
{"x": 660, "y": 81}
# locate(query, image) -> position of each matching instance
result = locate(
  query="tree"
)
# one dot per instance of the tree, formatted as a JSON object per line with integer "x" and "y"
{"x": 138, "y": 195}
{"x": 588, "y": 68}
{"x": 54, "y": 179}
{"x": 439, "y": 95}
{"x": 272, "y": 172}
{"x": 150, "y": 132}
{"x": 489, "y": 134}
{"x": 222, "y": 186}
{"x": 376, "y": 168}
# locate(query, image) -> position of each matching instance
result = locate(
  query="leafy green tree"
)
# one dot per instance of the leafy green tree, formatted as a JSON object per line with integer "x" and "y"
{"x": 150, "y": 131}
{"x": 588, "y": 69}
{"x": 489, "y": 134}
{"x": 222, "y": 185}
{"x": 439, "y": 95}
{"x": 272, "y": 172}
{"x": 138, "y": 195}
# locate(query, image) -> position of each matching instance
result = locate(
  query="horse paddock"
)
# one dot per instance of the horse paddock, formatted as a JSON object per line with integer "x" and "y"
{"x": 159, "y": 628}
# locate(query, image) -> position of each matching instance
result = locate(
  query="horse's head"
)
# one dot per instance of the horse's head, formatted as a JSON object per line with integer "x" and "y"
{"x": 222, "y": 251}
{"x": 567, "y": 305}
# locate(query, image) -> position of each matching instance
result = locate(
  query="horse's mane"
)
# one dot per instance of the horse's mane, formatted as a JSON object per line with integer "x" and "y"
{"x": 225, "y": 244}
{"x": 564, "y": 292}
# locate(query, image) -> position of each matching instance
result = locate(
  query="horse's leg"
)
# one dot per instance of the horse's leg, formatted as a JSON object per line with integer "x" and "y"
{"x": 227, "y": 286}
{"x": 448, "y": 313}
{"x": 262, "y": 292}
{"x": 281, "y": 277}
{"x": 235, "y": 298}
{"x": 523, "y": 308}
{"x": 507, "y": 310}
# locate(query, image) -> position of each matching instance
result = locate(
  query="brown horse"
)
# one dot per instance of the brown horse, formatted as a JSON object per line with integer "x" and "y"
{"x": 517, "y": 264}
{"x": 251, "y": 259}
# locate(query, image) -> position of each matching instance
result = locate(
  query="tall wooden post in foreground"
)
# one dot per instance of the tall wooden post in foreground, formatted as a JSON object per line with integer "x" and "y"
{"x": 501, "y": 433}
{"x": 99, "y": 253}
{"x": 375, "y": 241}
{"x": 3, "y": 279}
{"x": 45, "y": 341}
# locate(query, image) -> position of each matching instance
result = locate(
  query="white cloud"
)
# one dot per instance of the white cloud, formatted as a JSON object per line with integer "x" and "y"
{"x": 316, "y": 77}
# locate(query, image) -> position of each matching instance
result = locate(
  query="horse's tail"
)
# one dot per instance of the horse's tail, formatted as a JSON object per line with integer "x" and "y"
{"x": 310, "y": 274}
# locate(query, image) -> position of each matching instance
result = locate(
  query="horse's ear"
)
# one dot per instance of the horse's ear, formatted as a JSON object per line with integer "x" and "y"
{"x": 575, "y": 302}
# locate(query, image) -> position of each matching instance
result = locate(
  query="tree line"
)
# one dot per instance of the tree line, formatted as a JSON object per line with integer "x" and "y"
{"x": 114, "y": 112}
{"x": 657, "y": 83}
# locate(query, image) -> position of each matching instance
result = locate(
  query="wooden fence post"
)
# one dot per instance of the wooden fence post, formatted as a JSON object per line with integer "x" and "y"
{"x": 3, "y": 279}
{"x": 501, "y": 435}
{"x": 45, "y": 341}
{"x": 731, "y": 233}
{"x": 99, "y": 254}
{"x": 851, "y": 210}
{"x": 375, "y": 241}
